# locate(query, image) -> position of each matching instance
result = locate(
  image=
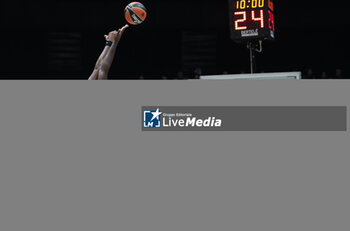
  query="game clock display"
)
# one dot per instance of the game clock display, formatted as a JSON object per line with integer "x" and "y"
{"x": 252, "y": 20}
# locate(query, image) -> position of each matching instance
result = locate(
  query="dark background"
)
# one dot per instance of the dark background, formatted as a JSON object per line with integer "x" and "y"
{"x": 63, "y": 39}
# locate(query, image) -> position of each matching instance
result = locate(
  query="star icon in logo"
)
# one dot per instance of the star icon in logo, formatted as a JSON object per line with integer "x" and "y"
{"x": 156, "y": 114}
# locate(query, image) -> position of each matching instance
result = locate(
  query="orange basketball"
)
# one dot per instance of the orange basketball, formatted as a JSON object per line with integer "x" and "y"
{"x": 135, "y": 13}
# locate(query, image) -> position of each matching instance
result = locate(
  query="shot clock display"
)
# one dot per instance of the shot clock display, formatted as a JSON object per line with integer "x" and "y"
{"x": 252, "y": 20}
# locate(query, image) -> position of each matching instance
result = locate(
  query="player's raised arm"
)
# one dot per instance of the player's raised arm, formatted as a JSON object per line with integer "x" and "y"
{"x": 106, "y": 58}
{"x": 94, "y": 75}
{"x": 106, "y": 63}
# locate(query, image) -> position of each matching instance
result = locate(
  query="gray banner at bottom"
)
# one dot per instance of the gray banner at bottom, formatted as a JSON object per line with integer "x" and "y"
{"x": 163, "y": 118}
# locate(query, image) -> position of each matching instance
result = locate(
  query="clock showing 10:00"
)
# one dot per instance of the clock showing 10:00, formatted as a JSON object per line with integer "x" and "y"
{"x": 252, "y": 20}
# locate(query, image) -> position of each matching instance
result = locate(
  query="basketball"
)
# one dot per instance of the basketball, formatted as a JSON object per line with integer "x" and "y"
{"x": 135, "y": 13}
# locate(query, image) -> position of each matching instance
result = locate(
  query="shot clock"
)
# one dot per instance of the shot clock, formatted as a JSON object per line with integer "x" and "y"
{"x": 251, "y": 20}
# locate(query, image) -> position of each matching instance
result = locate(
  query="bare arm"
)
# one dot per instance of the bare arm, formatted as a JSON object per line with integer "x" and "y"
{"x": 102, "y": 56}
{"x": 94, "y": 75}
{"x": 107, "y": 61}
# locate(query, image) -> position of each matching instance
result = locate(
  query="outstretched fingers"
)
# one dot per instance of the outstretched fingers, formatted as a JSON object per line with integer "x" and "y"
{"x": 120, "y": 32}
{"x": 124, "y": 27}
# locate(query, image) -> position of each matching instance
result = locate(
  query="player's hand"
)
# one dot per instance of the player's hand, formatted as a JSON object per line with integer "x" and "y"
{"x": 111, "y": 36}
{"x": 115, "y": 36}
